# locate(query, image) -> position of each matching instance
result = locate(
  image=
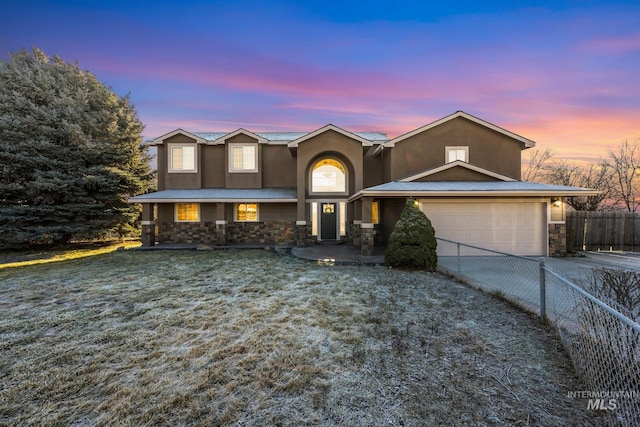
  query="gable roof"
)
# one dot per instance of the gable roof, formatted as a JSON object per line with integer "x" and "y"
{"x": 527, "y": 142}
{"x": 364, "y": 141}
{"x": 221, "y": 139}
{"x": 455, "y": 164}
{"x": 160, "y": 140}
{"x": 270, "y": 137}
{"x": 471, "y": 189}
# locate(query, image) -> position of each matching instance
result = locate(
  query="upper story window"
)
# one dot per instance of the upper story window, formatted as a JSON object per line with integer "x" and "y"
{"x": 328, "y": 176}
{"x": 243, "y": 158}
{"x": 182, "y": 158}
{"x": 457, "y": 153}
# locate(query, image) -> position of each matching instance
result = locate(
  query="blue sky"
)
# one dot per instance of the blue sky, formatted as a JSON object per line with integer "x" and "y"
{"x": 564, "y": 74}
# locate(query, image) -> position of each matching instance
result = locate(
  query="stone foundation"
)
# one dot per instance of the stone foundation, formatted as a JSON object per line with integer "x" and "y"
{"x": 304, "y": 235}
{"x": 148, "y": 236}
{"x": 273, "y": 232}
{"x": 367, "y": 241}
{"x": 187, "y": 232}
{"x": 558, "y": 240}
{"x": 269, "y": 233}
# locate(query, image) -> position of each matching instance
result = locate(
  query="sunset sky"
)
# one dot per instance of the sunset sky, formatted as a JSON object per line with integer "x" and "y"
{"x": 565, "y": 74}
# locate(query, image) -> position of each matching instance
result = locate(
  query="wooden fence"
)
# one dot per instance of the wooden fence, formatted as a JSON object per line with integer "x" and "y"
{"x": 604, "y": 231}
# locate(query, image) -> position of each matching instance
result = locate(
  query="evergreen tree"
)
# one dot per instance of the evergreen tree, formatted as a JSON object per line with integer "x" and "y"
{"x": 413, "y": 240}
{"x": 70, "y": 153}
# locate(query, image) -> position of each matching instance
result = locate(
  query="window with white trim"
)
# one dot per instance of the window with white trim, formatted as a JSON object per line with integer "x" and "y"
{"x": 243, "y": 158}
{"x": 187, "y": 212}
{"x": 246, "y": 212}
{"x": 457, "y": 153}
{"x": 328, "y": 176}
{"x": 182, "y": 158}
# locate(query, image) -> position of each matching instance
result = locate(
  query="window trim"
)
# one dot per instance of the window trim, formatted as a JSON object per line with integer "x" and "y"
{"x": 329, "y": 193}
{"x": 235, "y": 212}
{"x": 231, "y": 147}
{"x": 170, "y": 148}
{"x": 449, "y": 148}
{"x": 177, "y": 219}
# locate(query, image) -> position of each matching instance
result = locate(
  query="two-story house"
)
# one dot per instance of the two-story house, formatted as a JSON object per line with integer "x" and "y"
{"x": 297, "y": 188}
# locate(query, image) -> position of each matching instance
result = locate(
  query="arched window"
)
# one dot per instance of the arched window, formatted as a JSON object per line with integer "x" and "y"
{"x": 328, "y": 176}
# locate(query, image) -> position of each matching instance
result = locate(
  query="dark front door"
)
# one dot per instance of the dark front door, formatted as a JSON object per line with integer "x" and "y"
{"x": 328, "y": 221}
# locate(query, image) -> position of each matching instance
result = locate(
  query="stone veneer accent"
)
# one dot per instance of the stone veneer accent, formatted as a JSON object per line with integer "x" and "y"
{"x": 558, "y": 240}
{"x": 148, "y": 234}
{"x": 271, "y": 232}
{"x": 188, "y": 232}
{"x": 367, "y": 241}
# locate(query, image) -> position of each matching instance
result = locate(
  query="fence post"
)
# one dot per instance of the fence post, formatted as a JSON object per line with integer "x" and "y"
{"x": 543, "y": 291}
{"x": 458, "y": 261}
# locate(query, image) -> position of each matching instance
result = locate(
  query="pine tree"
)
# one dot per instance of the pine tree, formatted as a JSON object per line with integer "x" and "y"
{"x": 413, "y": 241}
{"x": 70, "y": 153}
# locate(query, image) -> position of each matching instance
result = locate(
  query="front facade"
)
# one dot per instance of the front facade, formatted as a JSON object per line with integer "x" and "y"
{"x": 297, "y": 188}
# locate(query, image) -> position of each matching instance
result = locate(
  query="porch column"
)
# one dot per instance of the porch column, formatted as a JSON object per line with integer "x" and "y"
{"x": 148, "y": 236}
{"x": 221, "y": 224}
{"x": 356, "y": 229}
{"x": 366, "y": 227}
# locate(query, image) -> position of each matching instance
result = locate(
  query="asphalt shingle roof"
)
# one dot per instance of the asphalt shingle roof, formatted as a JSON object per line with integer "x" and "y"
{"x": 290, "y": 136}
{"x": 471, "y": 186}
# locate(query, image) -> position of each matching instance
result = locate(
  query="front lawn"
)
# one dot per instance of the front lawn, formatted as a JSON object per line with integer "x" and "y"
{"x": 254, "y": 338}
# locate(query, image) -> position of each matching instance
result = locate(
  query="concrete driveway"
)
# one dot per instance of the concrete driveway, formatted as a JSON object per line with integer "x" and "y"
{"x": 580, "y": 267}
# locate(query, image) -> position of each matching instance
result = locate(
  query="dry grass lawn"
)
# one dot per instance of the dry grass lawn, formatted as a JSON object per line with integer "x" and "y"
{"x": 254, "y": 338}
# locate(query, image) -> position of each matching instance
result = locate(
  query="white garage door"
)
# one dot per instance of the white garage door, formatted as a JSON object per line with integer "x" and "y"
{"x": 513, "y": 227}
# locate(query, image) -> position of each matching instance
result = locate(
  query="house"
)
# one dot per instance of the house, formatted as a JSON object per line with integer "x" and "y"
{"x": 298, "y": 188}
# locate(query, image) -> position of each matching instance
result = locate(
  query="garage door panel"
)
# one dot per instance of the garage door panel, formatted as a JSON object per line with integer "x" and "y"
{"x": 513, "y": 227}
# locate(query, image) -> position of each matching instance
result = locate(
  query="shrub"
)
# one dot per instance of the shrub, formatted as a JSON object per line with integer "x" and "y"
{"x": 413, "y": 241}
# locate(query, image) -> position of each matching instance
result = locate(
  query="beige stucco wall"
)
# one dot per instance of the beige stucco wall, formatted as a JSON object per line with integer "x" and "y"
{"x": 213, "y": 166}
{"x": 278, "y": 167}
{"x": 328, "y": 144}
{"x": 180, "y": 180}
{"x": 488, "y": 149}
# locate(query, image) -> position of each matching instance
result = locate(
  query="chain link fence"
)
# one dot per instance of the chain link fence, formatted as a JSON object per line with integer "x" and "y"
{"x": 601, "y": 336}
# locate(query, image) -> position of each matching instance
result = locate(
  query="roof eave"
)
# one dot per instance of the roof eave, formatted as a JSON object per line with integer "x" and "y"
{"x": 471, "y": 193}
{"x": 208, "y": 200}
{"x": 160, "y": 140}
{"x": 525, "y": 141}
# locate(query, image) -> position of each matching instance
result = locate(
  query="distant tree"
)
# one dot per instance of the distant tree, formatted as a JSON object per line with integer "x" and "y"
{"x": 624, "y": 163}
{"x": 70, "y": 153}
{"x": 536, "y": 166}
{"x": 412, "y": 242}
{"x": 596, "y": 176}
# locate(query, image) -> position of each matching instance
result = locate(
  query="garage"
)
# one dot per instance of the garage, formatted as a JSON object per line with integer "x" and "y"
{"x": 516, "y": 227}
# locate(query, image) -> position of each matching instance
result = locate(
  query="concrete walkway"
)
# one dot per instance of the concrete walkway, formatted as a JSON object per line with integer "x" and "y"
{"x": 338, "y": 254}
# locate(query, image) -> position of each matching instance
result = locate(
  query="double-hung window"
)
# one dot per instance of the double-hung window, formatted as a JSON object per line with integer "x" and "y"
{"x": 187, "y": 212}
{"x": 243, "y": 158}
{"x": 182, "y": 158}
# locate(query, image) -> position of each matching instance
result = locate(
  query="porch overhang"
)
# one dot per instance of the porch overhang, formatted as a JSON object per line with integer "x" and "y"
{"x": 471, "y": 189}
{"x": 219, "y": 195}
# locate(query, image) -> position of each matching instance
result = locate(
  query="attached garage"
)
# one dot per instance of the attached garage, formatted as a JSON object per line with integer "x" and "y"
{"x": 516, "y": 227}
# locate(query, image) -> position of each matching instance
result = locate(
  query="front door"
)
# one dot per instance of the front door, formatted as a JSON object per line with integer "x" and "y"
{"x": 328, "y": 221}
